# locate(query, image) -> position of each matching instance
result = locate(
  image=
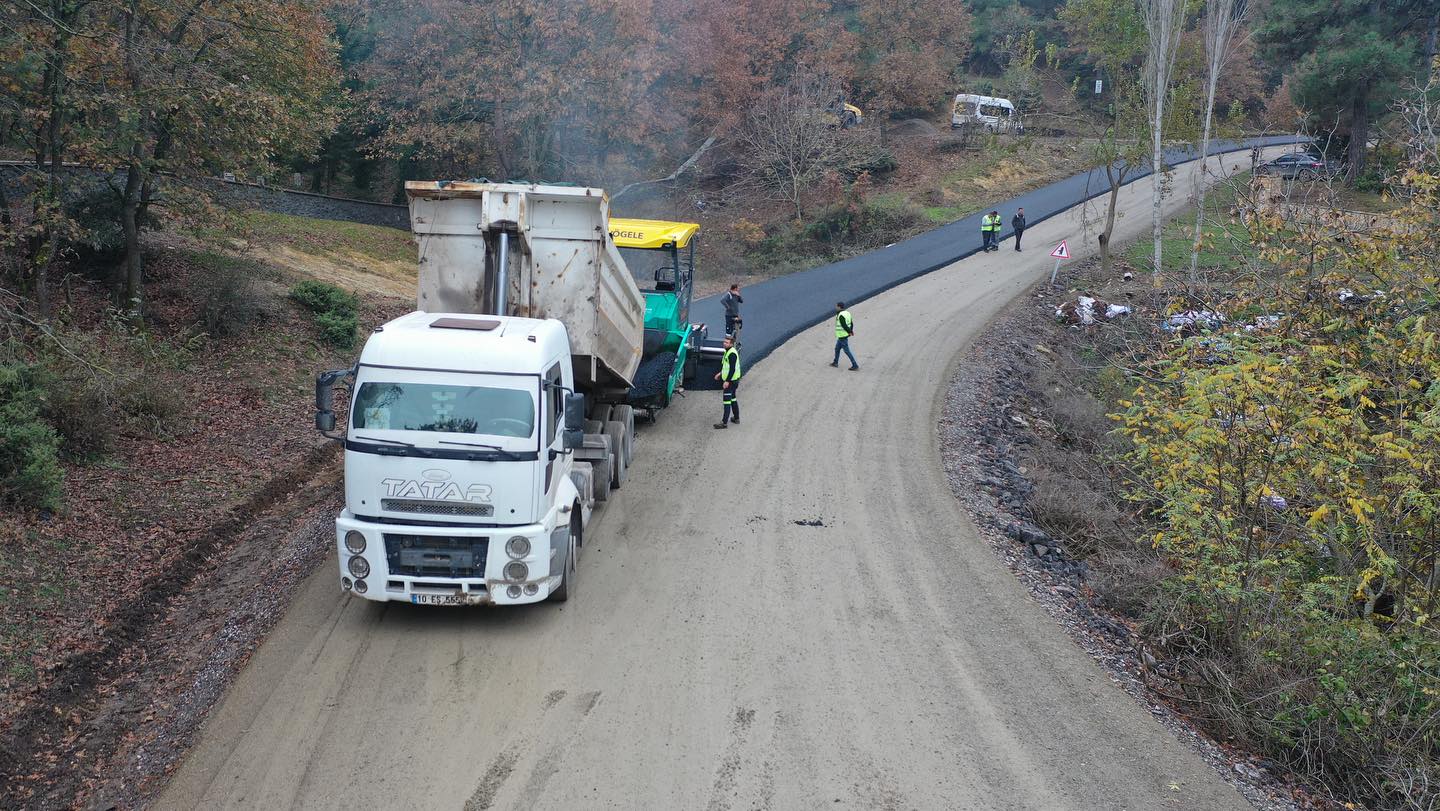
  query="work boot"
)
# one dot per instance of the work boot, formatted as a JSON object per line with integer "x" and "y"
{"x": 836, "y": 364}
{"x": 854, "y": 368}
{"x": 720, "y": 425}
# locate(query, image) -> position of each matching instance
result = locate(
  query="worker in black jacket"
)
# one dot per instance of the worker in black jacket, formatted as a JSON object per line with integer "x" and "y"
{"x": 732, "y": 301}
{"x": 1017, "y": 222}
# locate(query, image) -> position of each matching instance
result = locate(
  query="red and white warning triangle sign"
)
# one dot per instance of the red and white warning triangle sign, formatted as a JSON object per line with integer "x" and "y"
{"x": 1062, "y": 251}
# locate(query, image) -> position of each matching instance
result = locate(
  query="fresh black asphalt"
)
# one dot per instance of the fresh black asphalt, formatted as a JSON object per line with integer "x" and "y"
{"x": 776, "y": 309}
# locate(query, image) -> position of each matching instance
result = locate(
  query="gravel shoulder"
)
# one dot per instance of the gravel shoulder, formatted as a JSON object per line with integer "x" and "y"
{"x": 791, "y": 613}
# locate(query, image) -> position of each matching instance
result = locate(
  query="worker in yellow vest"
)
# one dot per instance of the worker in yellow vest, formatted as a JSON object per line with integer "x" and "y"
{"x": 729, "y": 378}
{"x": 844, "y": 328}
{"x": 990, "y": 231}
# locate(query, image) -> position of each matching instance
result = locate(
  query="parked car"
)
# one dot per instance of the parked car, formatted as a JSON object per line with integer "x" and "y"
{"x": 1298, "y": 166}
{"x": 990, "y": 112}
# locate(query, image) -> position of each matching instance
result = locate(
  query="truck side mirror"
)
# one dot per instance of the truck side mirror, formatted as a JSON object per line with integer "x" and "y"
{"x": 324, "y": 400}
{"x": 574, "y": 434}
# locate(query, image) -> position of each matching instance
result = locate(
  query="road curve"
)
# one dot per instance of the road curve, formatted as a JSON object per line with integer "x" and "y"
{"x": 793, "y": 613}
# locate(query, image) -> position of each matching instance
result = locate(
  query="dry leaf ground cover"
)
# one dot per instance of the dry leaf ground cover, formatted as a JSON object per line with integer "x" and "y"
{"x": 202, "y": 422}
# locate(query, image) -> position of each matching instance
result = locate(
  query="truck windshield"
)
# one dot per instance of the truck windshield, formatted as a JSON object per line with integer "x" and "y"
{"x": 445, "y": 408}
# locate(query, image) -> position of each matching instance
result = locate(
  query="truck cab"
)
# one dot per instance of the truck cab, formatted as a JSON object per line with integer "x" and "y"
{"x": 458, "y": 485}
{"x": 484, "y": 428}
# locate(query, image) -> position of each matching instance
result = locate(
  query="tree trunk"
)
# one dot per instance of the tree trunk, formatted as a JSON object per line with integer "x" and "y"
{"x": 133, "y": 265}
{"x": 1200, "y": 185}
{"x": 1359, "y": 132}
{"x": 51, "y": 149}
{"x": 1117, "y": 179}
{"x": 1432, "y": 46}
{"x": 1157, "y": 175}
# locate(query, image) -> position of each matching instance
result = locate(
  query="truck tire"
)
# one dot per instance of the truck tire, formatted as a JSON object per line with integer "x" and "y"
{"x": 566, "y": 589}
{"x": 603, "y": 468}
{"x": 615, "y": 433}
{"x": 626, "y": 415}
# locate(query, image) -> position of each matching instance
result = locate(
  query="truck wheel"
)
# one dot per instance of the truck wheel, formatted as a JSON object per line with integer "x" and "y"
{"x": 615, "y": 433}
{"x": 603, "y": 470}
{"x": 626, "y": 415}
{"x": 566, "y": 589}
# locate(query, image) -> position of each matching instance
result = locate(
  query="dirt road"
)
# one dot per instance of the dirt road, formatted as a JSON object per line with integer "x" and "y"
{"x": 794, "y": 613}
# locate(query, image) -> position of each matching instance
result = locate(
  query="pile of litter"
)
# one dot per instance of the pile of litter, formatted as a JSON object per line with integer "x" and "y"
{"x": 1193, "y": 321}
{"x": 1085, "y": 310}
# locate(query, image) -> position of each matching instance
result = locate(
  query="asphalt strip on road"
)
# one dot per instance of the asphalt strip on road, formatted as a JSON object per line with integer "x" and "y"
{"x": 777, "y": 309}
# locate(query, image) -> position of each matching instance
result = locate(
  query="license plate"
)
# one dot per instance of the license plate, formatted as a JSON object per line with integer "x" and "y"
{"x": 443, "y": 599}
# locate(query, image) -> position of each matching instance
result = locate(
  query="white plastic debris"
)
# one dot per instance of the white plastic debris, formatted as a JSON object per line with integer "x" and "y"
{"x": 1198, "y": 319}
{"x": 1086, "y": 310}
{"x": 1264, "y": 322}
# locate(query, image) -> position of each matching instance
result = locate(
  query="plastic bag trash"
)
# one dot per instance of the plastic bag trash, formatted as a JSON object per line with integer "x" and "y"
{"x": 1086, "y": 310}
{"x": 1193, "y": 319}
{"x": 1264, "y": 322}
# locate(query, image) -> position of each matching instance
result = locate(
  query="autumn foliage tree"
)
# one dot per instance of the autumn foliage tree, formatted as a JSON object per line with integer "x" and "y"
{"x": 161, "y": 90}
{"x": 1293, "y": 470}
{"x": 911, "y": 50}
{"x": 791, "y": 139}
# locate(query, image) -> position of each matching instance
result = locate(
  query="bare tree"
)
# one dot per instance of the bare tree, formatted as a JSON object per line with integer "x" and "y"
{"x": 1164, "y": 21}
{"x": 1419, "y": 110}
{"x": 1222, "y": 23}
{"x": 791, "y": 138}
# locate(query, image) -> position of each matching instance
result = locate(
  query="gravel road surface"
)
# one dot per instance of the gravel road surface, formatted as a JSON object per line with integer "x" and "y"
{"x": 792, "y": 613}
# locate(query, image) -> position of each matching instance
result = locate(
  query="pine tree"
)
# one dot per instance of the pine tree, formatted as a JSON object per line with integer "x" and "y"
{"x": 1350, "y": 57}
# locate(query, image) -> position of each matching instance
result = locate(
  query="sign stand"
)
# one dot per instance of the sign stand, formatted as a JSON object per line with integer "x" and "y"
{"x": 1061, "y": 252}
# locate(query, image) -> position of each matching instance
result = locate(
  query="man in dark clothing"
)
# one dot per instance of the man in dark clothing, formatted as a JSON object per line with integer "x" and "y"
{"x": 729, "y": 378}
{"x": 732, "y": 301}
{"x": 1017, "y": 222}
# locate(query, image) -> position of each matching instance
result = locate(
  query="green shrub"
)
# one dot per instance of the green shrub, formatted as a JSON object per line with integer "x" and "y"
{"x": 230, "y": 301}
{"x": 882, "y": 162}
{"x": 336, "y": 311}
{"x": 319, "y": 297}
{"x": 30, "y": 474}
{"x": 869, "y": 223}
{"x": 338, "y": 328}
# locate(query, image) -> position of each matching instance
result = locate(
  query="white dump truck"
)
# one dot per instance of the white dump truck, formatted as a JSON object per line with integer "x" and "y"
{"x": 484, "y": 428}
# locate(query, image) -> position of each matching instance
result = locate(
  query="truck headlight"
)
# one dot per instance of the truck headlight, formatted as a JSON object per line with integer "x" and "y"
{"x": 359, "y": 567}
{"x": 355, "y": 541}
{"x": 516, "y": 570}
{"x": 517, "y": 547}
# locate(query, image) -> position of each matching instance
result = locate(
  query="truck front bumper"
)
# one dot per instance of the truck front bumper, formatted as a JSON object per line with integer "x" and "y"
{"x": 444, "y": 565}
